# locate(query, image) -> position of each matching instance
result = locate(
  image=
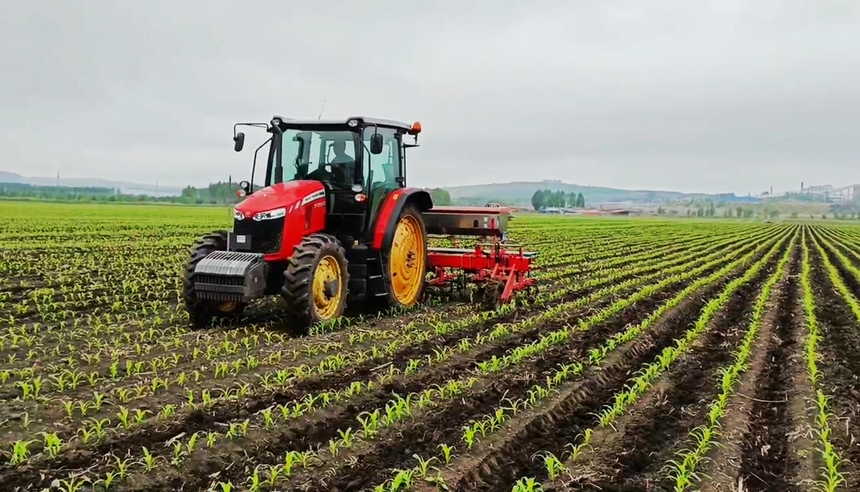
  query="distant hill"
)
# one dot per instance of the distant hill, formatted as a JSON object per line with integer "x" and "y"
{"x": 520, "y": 193}
{"x": 7, "y": 177}
{"x": 124, "y": 186}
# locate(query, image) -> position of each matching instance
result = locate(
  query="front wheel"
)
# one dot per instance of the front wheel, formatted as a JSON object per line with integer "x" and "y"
{"x": 405, "y": 262}
{"x": 315, "y": 282}
{"x": 202, "y": 311}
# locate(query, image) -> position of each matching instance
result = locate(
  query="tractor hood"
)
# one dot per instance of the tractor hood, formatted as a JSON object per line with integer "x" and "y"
{"x": 289, "y": 195}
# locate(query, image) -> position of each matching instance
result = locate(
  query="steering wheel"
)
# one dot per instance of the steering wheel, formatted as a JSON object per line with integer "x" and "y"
{"x": 320, "y": 174}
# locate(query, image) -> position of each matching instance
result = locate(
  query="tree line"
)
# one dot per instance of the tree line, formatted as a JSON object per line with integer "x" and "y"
{"x": 729, "y": 212}
{"x": 215, "y": 193}
{"x": 557, "y": 199}
{"x": 218, "y": 193}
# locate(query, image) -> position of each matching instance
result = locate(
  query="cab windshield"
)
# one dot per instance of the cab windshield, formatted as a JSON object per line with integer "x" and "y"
{"x": 322, "y": 155}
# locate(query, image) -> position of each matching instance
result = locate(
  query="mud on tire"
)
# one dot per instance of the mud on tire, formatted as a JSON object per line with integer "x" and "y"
{"x": 202, "y": 311}
{"x": 297, "y": 290}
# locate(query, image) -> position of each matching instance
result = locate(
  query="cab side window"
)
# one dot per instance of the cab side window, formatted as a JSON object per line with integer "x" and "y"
{"x": 340, "y": 159}
{"x": 383, "y": 168}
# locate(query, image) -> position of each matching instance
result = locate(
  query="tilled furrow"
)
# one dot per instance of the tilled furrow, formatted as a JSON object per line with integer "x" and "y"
{"x": 151, "y": 434}
{"x": 553, "y": 426}
{"x": 840, "y": 366}
{"x": 267, "y": 446}
{"x": 659, "y": 425}
{"x": 426, "y": 434}
{"x": 772, "y": 404}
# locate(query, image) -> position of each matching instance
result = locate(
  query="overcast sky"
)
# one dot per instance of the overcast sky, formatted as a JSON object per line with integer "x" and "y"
{"x": 685, "y": 95}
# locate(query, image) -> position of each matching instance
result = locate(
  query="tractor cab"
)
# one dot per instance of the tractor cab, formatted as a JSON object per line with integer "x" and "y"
{"x": 358, "y": 161}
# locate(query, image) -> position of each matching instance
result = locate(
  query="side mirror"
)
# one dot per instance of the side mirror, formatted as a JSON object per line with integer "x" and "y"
{"x": 376, "y": 144}
{"x": 238, "y": 141}
{"x": 245, "y": 187}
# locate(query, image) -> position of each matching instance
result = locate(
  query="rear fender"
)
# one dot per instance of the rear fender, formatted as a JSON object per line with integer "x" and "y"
{"x": 395, "y": 202}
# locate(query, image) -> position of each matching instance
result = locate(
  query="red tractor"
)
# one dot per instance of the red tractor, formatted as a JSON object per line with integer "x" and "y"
{"x": 336, "y": 224}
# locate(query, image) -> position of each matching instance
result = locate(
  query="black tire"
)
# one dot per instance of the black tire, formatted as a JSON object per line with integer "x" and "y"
{"x": 297, "y": 290}
{"x": 203, "y": 311}
{"x": 492, "y": 295}
{"x": 391, "y": 299}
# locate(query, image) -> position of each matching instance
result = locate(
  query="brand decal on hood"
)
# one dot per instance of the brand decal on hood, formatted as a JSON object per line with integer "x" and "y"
{"x": 313, "y": 196}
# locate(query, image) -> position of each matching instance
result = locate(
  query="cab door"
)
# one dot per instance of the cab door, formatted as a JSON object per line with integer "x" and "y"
{"x": 382, "y": 173}
{"x": 345, "y": 214}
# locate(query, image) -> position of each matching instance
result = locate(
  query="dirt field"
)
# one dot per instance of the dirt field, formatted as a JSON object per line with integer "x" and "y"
{"x": 659, "y": 355}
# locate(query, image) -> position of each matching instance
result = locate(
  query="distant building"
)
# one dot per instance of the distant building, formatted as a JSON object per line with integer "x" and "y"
{"x": 818, "y": 190}
{"x": 830, "y": 194}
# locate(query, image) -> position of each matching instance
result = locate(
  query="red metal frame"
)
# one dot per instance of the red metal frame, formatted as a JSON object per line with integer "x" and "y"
{"x": 385, "y": 214}
{"x": 496, "y": 264}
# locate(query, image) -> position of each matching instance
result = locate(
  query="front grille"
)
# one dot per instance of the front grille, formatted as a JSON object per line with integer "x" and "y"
{"x": 220, "y": 296}
{"x": 205, "y": 278}
{"x": 266, "y": 235}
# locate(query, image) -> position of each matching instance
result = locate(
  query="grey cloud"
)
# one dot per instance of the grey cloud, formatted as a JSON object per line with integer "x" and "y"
{"x": 698, "y": 96}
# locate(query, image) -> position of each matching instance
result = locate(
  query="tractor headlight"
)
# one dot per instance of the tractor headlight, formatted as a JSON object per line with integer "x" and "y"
{"x": 271, "y": 214}
{"x": 238, "y": 215}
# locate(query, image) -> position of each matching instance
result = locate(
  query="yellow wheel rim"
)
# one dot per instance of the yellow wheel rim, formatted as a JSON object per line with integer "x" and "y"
{"x": 327, "y": 273}
{"x": 407, "y": 261}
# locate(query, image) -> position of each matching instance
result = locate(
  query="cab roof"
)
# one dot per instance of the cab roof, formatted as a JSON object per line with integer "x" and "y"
{"x": 363, "y": 120}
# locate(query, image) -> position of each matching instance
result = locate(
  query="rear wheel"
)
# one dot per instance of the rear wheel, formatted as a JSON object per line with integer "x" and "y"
{"x": 202, "y": 311}
{"x": 315, "y": 282}
{"x": 405, "y": 262}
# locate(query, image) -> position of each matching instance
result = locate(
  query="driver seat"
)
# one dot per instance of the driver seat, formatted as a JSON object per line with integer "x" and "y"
{"x": 342, "y": 172}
